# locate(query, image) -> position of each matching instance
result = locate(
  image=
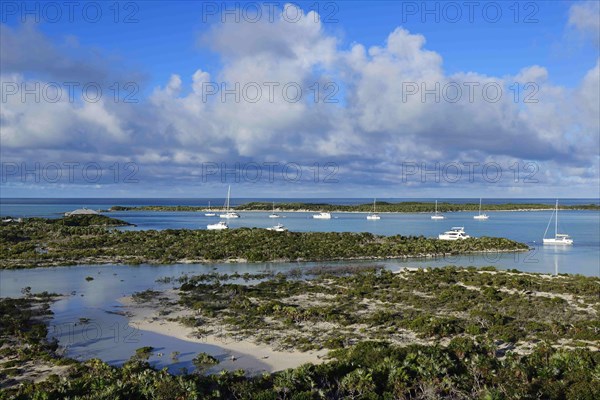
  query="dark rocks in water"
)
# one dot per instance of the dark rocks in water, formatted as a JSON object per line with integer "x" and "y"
{"x": 121, "y": 313}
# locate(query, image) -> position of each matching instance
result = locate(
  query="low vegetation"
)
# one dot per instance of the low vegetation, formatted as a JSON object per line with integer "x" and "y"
{"x": 333, "y": 311}
{"x": 40, "y": 242}
{"x": 24, "y": 350}
{"x": 465, "y": 369}
{"x": 78, "y": 220}
{"x": 557, "y": 316}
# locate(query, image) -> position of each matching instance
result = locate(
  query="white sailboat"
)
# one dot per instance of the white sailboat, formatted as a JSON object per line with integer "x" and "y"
{"x": 219, "y": 226}
{"x": 437, "y": 215}
{"x": 480, "y": 216}
{"x": 209, "y": 213}
{"x": 373, "y": 215}
{"x": 228, "y": 213}
{"x": 559, "y": 238}
{"x": 273, "y": 214}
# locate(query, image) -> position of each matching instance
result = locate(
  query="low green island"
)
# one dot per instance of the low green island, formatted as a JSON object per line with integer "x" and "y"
{"x": 441, "y": 333}
{"x": 381, "y": 206}
{"x": 96, "y": 239}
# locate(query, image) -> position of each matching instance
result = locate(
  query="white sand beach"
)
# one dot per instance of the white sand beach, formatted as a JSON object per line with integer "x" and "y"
{"x": 241, "y": 353}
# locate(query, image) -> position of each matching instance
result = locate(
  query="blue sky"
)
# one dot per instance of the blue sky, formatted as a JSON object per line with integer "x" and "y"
{"x": 370, "y": 140}
{"x": 165, "y": 37}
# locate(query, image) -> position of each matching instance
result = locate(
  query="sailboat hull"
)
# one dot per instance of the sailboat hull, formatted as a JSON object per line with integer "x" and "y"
{"x": 560, "y": 242}
{"x": 230, "y": 215}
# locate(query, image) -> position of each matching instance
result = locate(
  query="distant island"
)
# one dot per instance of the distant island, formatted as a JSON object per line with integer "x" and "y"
{"x": 80, "y": 220}
{"x": 381, "y": 206}
{"x": 94, "y": 239}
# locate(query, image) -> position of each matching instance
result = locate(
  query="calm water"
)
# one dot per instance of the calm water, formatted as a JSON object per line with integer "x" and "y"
{"x": 109, "y": 337}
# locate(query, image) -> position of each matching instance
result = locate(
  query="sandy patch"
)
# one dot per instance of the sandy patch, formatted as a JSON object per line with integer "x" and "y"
{"x": 145, "y": 316}
{"x": 34, "y": 371}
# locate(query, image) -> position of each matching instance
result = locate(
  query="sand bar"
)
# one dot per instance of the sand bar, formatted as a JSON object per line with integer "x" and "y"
{"x": 241, "y": 353}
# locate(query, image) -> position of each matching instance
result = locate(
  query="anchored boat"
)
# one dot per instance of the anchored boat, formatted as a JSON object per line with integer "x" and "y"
{"x": 559, "y": 238}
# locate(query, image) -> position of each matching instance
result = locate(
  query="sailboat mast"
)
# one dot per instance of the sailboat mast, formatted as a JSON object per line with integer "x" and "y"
{"x": 556, "y": 221}
{"x": 228, "y": 193}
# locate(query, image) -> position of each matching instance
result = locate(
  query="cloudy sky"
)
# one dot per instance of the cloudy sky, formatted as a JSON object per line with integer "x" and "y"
{"x": 315, "y": 99}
